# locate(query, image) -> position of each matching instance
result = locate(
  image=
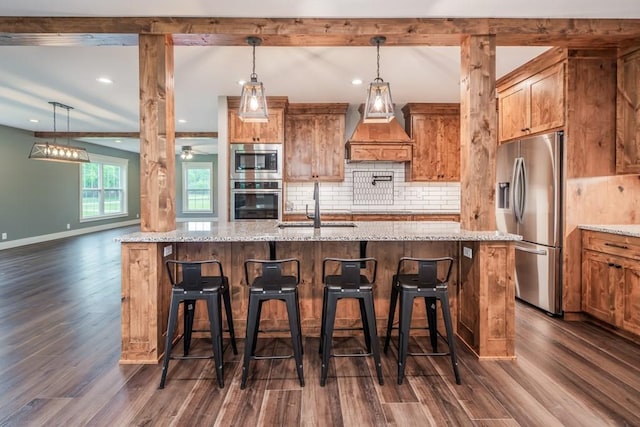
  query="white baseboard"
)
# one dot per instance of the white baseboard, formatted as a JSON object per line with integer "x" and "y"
{"x": 69, "y": 233}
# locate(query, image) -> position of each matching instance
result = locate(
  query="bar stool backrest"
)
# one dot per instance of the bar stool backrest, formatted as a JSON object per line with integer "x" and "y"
{"x": 428, "y": 273}
{"x": 272, "y": 272}
{"x": 351, "y": 269}
{"x": 191, "y": 273}
{"x": 428, "y": 269}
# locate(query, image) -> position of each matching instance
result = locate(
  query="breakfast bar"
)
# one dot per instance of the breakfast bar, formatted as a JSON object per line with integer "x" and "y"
{"x": 482, "y": 284}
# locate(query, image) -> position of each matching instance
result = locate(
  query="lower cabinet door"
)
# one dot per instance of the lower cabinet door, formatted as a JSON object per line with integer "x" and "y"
{"x": 602, "y": 275}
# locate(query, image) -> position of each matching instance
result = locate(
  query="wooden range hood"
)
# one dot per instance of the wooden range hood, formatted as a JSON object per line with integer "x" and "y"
{"x": 379, "y": 142}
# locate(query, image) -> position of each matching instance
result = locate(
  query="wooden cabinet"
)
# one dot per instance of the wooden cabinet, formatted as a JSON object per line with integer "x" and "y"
{"x": 314, "y": 142}
{"x": 628, "y": 114}
{"x": 611, "y": 279}
{"x": 269, "y": 132}
{"x": 533, "y": 105}
{"x": 435, "y": 131}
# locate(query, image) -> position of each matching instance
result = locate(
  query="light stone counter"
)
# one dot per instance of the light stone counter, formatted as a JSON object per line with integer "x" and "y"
{"x": 631, "y": 230}
{"x": 254, "y": 231}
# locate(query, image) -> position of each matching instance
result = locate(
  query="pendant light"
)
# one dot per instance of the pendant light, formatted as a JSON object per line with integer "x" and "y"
{"x": 253, "y": 103}
{"x": 379, "y": 106}
{"x": 59, "y": 153}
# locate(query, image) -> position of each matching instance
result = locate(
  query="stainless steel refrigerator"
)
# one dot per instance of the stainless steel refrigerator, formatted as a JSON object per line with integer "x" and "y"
{"x": 528, "y": 203}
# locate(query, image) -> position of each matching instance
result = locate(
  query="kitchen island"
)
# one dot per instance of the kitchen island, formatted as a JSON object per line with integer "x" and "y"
{"x": 481, "y": 287}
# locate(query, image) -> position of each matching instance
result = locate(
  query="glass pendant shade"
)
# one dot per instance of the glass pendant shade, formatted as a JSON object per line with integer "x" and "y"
{"x": 378, "y": 107}
{"x": 55, "y": 152}
{"x": 253, "y": 102}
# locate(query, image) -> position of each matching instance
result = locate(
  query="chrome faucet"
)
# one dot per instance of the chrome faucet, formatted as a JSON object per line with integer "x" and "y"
{"x": 316, "y": 212}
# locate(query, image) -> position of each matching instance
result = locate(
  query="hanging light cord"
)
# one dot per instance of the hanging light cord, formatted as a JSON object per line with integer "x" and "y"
{"x": 378, "y": 61}
{"x": 253, "y": 70}
{"x": 55, "y": 134}
{"x": 68, "y": 138}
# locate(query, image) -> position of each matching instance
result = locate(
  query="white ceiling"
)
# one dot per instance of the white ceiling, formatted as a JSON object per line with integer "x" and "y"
{"x": 30, "y": 76}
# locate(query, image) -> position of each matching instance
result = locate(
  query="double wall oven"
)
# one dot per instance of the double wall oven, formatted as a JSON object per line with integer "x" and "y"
{"x": 256, "y": 181}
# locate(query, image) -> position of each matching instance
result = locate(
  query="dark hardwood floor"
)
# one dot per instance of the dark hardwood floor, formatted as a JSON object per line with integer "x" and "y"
{"x": 60, "y": 344}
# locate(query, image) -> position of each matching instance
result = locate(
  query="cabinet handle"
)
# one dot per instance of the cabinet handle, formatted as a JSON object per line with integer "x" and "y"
{"x": 615, "y": 245}
{"x": 525, "y": 129}
{"x": 618, "y": 266}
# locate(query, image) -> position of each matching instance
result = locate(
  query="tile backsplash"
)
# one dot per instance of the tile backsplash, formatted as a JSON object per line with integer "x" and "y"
{"x": 389, "y": 194}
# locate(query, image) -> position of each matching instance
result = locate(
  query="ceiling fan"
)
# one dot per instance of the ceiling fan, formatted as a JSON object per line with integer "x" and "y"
{"x": 188, "y": 151}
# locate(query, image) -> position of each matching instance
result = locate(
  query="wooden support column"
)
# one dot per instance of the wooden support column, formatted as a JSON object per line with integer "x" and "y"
{"x": 157, "y": 133}
{"x": 478, "y": 132}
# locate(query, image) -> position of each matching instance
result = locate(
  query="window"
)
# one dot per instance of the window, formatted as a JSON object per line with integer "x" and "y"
{"x": 103, "y": 192}
{"x": 197, "y": 182}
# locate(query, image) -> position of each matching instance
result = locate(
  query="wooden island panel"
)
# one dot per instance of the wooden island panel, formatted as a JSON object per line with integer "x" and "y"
{"x": 481, "y": 290}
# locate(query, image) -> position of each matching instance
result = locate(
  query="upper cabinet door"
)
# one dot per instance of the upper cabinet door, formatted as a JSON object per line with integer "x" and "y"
{"x": 514, "y": 112}
{"x": 435, "y": 130}
{"x": 628, "y": 114}
{"x": 546, "y": 99}
{"x": 298, "y": 150}
{"x": 329, "y": 147}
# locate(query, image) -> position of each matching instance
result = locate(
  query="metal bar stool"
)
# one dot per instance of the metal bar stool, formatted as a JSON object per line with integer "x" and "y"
{"x": 270, "y": 284}
{"x": 349, "y": 283}
{"x": 408, "y": 285}
{"x": 194, "y": 286}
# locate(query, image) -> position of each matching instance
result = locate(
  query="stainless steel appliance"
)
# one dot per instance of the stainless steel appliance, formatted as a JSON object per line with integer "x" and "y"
{"x": 529, "y": 203}
{"x": 256, "y": 200}
{"x": 255, "y": 162}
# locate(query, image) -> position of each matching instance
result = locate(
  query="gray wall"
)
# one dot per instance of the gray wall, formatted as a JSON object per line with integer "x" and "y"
{"x": 208, "y": 158}
{"x": 40, "y": 197}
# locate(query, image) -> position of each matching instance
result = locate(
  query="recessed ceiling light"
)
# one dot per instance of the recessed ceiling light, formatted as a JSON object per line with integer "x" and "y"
{"x": 34, "y": 120}
{"x": 356, "y": 82}
{"x": 241, "y": 82}
{"x": 182, "y": 121}
{"x": 104, "y": 80}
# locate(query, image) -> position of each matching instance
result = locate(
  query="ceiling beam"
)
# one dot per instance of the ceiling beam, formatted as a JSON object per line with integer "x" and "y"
{"x": 566, "y": 32}
{"x": 77, "y": 135}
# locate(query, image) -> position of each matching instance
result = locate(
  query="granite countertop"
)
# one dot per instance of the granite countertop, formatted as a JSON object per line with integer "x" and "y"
{"x": 631, "y": 230}
{"x": 252, "y": 231}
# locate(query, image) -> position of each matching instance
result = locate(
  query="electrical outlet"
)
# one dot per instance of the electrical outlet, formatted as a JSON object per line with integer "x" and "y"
{"x": 4, "y": 236}
{"x": 137, "y": 215}
{"x": 467, "y": 252}
{"x": 168, "y": 250}
{"x": 68, "y": 226}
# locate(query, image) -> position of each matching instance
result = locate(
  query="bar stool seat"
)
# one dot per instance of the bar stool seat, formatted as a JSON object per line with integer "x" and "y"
{"x": 194, "y": 286}
{"x": 407, "y": 284}
{"x": 270, "y": 284}
{"x": 348, "y": 283}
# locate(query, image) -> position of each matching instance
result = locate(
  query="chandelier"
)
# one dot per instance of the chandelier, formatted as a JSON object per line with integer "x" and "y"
{"x": 55, "y": 152}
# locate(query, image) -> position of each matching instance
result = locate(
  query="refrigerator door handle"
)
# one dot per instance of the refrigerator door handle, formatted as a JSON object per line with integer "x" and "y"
{"x": 531, "y": 251}
{"x": 523, "y": 188}
{"x": 518, "y": 189}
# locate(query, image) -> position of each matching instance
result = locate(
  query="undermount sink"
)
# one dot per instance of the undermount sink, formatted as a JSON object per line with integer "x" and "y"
{"x": 310, "y": 224}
